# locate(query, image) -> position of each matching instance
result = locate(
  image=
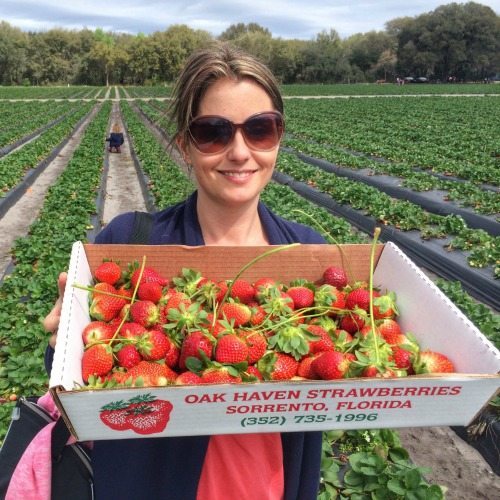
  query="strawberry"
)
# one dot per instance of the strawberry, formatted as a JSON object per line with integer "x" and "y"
{"x": 191, "y": 346}
{"x": 152, "y": 373}
{"x": 148, "y": 275}
{"x": 277, "y": 366}
{"x": 150, "y": 290}
{"x": 433, "y": 362}
{"x": 323, "y": 342}
{"x": 150, "y": 418}
{"x": 128, "y": 356}
{"x": 114, "y": 415}
{"x": 330, "y": 297}
{"x": 351, "y": 323}
{"x": 219, "y": 375}
{"x": 254, "y": 373}
{"x": 243, "y": 291}
{"x": 301, "y": 296}
{"x": 239, "y": 314}
{"x": 231, "y": 349}
{"x": 401, "y": 358}
{"x": 258, "y": 314}
{"x": 153, "y": 345}
{"x": 144, "y": 312}
{"x": 257, "y": 345}
{"x": 358, "y": 298}
{"x": 131, "y": 330}
{"x": 188, "y": 378}
{"x": 101, "y": 289}
{"x": 106, "y": 307}
{"x": 330, "y": 365}
{"x": 174, "y": 299}
{"x": 305, "y": 369}
{"x": 391, "y": 332}
{"x": 372, "y": 371}
{"x": 97, "y": 330}
{"x": 97, "y": 360}
{"x": 335, "y": 276}
{"x": 108, "y": 272}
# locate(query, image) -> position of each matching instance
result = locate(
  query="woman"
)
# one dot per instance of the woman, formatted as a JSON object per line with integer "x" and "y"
{"x": 229, "y": 116}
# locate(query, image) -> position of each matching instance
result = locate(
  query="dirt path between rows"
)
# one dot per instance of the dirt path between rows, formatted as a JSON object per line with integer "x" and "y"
{"x": 454, "y": 463}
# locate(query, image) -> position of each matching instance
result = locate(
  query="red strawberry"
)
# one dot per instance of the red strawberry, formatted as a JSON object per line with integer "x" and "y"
{"x": 391, "y": 332}
{"x": 97, "y": 360}
{"x": 97, "y": 330}
{"x": 153, "y": 345}
{"x": 152, "y": 373}
{"x": 106, "y": 307}
{"x": 175, "y": 299}
{"x": 231, "y": 349}
{"x": 253, "y": 371}
{"x": 131, "y": 330}
{"x": 324, "y": 341}
{"x": 114, "y": 415}
{"x": 128, "y": 356}
{"x": 188, "y": 378}
{"x": 278, "y": 366}
{"x": 243, "y": 291}
{"x": 384, "y": 306}
{"x": 330, "y": 365}
{"x": 433, "y": 362}
{"x": 258, "y": 314}
{"x": 305, "y": 369}
{"x": 193, "y": 342}
{"x": 335, "y": 276}
{"x": 219, "y": 375}
{"x": 240, "y": 314}
{"x": 108, "y": 272}
{"x": 144, "y": 312}
{"x": 372, "y": 371}
{"x": 401, "y": 358}
{"x": 148, "y": 275}
{"x": 358, "y": 298}
{"x": 150, "y": 418}
{"x": 257, "y": 345}
{"x": 101, "y": 289}
{"x": 351, "y": 323}
{"x": 301, "y": 296}
{"x": 150, "y": 290}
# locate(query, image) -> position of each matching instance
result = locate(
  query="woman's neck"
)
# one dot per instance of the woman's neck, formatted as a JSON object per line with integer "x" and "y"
{"x": 230, "y": 226}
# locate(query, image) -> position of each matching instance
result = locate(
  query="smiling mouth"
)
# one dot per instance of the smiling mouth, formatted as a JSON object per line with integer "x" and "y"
{"x": 239, "y": 174}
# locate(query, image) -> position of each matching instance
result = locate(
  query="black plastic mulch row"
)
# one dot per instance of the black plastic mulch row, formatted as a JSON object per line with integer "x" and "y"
{"x": 431, "y": 201}
{"x": 12, "y": 197}
{"x": 427, "y": 254}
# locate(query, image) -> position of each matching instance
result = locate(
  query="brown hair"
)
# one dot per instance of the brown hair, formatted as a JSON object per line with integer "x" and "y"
{"x": 116, "y": 128}
{"x": 203, "y": 68}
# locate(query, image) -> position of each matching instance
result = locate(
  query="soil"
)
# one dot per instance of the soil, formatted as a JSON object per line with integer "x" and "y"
{"x": 453, "y": 463}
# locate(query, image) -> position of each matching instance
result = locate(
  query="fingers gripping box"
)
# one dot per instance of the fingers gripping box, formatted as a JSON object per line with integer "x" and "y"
{"x": 296, "y": 405}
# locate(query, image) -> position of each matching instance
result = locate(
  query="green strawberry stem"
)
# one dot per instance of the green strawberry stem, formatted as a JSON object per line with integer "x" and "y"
{"x": 92, "y": 289}
{"x": 376, "y": 234}
{"x": 132, "y": 299}
{"x": 330, "y": 237}
{"x": 245, "y": 267}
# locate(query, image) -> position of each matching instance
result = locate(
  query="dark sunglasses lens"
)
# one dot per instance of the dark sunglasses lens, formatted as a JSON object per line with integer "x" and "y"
{"x": 211, "y": 134}
{"x": 264, "y": 131}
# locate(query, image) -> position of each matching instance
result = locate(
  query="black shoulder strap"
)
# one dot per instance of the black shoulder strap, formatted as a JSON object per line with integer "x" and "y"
{"x": 141, "y": 231}
{"x": 60, "y": 436}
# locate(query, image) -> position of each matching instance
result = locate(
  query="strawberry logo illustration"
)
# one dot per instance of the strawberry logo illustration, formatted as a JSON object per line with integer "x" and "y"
{"x": 143, "y": 414}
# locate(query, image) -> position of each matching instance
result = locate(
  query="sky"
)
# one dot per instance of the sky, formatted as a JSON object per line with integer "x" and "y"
{"x": 300, "y": 19}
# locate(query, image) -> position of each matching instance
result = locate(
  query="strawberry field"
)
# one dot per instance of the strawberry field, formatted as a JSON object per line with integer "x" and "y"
{"x": 423, "y": 168}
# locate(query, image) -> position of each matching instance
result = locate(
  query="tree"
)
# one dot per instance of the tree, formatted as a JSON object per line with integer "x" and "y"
{"x": 236, "y": 31}
{"x": 13, "y": 45}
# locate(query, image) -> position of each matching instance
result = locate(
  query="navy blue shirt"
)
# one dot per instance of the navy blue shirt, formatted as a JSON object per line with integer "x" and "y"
{"x": 170, "y": 468}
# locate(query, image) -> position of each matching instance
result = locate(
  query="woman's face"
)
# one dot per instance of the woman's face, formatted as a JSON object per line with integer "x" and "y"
{"x": 237, "y": 175}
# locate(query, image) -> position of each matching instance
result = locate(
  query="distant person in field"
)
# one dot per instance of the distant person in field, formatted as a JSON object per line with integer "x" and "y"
{"x": 115, "y": 139}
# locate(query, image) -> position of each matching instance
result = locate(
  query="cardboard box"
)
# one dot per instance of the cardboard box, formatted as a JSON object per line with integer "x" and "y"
{"x": 415, "y": 401}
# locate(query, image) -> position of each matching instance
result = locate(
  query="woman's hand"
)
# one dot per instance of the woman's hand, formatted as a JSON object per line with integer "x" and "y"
{"x": 51, "y": 321}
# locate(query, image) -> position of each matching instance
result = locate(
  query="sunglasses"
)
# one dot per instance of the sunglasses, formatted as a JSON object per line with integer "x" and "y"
{"x": 212, "y": 134}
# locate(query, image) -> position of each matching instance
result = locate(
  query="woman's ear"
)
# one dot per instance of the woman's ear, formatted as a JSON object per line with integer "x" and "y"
{"x": 184, "y": 149}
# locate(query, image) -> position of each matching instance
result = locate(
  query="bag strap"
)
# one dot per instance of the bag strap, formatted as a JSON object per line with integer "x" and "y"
{"x": 60, "y": 436}
{"x": 141, "y": 230}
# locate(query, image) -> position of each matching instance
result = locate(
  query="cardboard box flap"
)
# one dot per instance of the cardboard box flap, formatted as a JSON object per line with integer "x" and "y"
{"x": 430, "y": 315}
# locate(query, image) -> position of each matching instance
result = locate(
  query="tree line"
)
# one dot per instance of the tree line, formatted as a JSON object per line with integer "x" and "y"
{"x": 459, "y": 42}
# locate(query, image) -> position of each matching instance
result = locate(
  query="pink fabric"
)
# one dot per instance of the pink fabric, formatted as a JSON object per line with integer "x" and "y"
{"x": 243, "y": 466}
{"x": 32, "y": 476}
